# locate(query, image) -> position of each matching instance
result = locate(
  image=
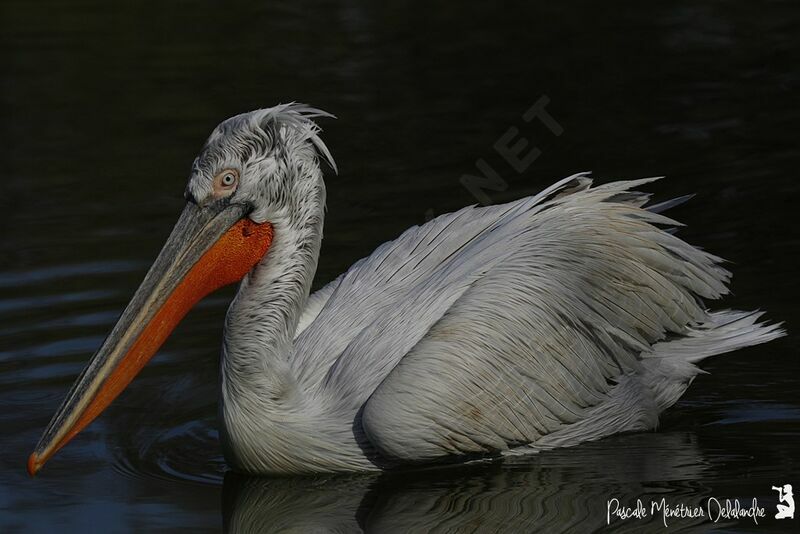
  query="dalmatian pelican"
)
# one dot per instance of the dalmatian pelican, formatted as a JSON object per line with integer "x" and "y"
{"x": 555, "y": 319}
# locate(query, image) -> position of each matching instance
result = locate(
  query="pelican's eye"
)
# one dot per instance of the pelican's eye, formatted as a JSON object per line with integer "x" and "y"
{"x": 225, "y": 182}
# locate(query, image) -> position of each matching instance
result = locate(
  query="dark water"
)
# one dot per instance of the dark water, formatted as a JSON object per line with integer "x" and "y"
{"x": 104, "y": 106}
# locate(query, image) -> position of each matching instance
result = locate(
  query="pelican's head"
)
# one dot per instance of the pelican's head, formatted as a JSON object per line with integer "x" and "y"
{"x": 264, "y": 160}
{"x": 254, "y": 169}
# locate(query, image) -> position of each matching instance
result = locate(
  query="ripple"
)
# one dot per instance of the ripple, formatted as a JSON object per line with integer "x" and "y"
{"x": 176, "y": 460}
{"x": 60, "y": 348}
{"x": 27, "y": 304}
{"x": 185, "y": 451}
{"x": 55, "y": 273}
{"x": 760, "y": 412}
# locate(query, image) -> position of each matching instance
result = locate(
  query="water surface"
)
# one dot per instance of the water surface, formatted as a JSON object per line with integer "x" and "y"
{"x": 104, "y": 106}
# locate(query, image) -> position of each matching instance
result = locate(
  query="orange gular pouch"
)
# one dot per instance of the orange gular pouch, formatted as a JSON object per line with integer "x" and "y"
{"x": 226, "y": 262}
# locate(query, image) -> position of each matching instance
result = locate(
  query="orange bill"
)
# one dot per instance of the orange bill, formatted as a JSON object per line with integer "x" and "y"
{"x": 209, "y": 247}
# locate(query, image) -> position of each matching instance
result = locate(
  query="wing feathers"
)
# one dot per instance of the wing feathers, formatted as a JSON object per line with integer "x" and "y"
{"x": 587, "y": 283}
{"x": 532, "y": 322}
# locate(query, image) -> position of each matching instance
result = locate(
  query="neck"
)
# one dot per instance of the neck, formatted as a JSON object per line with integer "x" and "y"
{"x": 269, "y": 422}
{"x": 263, "y": 316}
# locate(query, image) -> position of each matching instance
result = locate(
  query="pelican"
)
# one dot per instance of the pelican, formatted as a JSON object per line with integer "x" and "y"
{"x": 549, "y": 321}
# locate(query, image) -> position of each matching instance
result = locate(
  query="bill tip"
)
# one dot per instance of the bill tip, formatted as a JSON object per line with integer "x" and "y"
{"x": 33, "y": 464}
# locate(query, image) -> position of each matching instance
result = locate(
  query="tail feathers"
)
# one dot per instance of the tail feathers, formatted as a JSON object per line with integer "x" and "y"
{"x": 667, "y": 370}
{"x": 725, "y": 331}
{"x": 669, "y": 367}
{"x": 669, "y": 204}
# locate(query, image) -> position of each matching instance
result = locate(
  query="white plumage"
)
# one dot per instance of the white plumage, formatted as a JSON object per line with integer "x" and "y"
{"x": 545, "y": 322}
